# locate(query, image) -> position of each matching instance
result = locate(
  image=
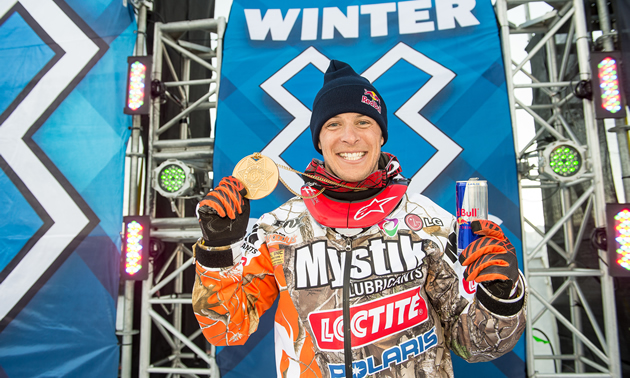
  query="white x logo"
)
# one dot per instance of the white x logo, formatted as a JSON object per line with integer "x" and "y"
{"x": 446, "y": 149}
{"x": 67, "y": 218}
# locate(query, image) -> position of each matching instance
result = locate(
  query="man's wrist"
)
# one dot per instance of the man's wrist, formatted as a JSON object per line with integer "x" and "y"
{"x": 216, "y": 256}
{"x": 500, "y": 306}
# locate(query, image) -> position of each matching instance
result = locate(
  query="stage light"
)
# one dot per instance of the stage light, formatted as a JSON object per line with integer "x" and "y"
{"x": 174, "y": 179}
{"x": 138, "y": 85}
{"x": 135, "y": 248}
{"x": 562, "y": 161}
{"x": 618, "y": 239}
{"x": 607, "y": 91}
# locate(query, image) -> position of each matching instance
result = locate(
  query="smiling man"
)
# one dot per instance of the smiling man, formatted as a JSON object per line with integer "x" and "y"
{"x": 352, "y": 145}
{"x": 367, "y": 274}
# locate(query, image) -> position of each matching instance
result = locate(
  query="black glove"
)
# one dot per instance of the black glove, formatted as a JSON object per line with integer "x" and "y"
{"x": 491, "y": 257}
{"x": 224, "y": 213}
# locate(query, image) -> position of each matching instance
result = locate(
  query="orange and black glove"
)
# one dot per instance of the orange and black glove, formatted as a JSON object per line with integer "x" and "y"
{"x": 224, "y": 213}
{"x": 490, "y": 259}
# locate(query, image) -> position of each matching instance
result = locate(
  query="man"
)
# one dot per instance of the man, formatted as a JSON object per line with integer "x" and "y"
{"x": 365, "y": 287}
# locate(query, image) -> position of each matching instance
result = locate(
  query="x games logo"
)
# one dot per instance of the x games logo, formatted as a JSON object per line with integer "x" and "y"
{"x": 66, "y": 219}
{"x": 409, "y": 113}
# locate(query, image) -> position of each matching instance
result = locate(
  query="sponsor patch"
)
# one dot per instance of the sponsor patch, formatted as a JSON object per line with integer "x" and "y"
{"x": 469, "y": 286}
{"x": 249, "y": 252}
{"x": 372, "y": 99}
{"x": 392, "y": 356}
{"x": 369, "y": 287}
{"x": 289, "y": 226}
{"x": 275, "y": 239}
{"x": 376, "y": 206}
{"x": 389, "y": 226}
{"x": 317, "y": 265}
{"x": 370, "y": 321}
{"x": 414, "y": 222}
{"x": 432, "y": 225}
{"x": 277, "y": 257}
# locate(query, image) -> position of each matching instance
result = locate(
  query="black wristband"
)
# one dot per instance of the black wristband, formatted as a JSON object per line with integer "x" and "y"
{"x": 500, "y": 307}
{"x": 499, "y": 288}
{"x": 213, "y": 258}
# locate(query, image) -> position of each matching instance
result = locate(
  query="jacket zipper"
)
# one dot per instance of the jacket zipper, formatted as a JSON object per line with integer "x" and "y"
{"x": 347, "y": 336}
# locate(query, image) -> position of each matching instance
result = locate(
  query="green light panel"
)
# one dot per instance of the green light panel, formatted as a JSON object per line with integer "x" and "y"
{"x": 172, "y": 178}
{"x": 565, "y": 161}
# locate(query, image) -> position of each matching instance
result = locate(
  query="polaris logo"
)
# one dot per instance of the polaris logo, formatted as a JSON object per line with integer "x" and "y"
{"x": 395, "y": 355}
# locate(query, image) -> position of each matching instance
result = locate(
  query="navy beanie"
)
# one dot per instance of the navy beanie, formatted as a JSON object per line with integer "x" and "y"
{"x": 344, "y": 91}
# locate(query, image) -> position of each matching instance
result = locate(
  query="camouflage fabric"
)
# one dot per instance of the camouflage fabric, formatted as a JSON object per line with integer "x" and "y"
{"x": 408, "y": 303}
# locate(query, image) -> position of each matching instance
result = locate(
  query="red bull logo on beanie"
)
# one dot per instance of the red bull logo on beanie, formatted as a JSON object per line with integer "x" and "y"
{"x": 371, "y": 98}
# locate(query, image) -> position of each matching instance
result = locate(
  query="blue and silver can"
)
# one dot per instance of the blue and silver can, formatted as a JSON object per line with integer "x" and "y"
{"x": 472, "y": 203}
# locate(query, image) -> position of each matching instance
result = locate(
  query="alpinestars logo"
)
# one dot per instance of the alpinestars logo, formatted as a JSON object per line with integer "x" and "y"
{"x": 376, "y": 206}
{"x": 373, "y": 101}
{"x": 370, "y": 321}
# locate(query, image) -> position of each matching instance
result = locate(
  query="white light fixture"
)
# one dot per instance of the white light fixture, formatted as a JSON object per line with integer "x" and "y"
{"x": 563, "y": 161}
{"x": 174, "y": 179}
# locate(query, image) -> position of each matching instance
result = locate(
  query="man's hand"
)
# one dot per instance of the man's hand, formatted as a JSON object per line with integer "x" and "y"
{"x": 227, "y": 199}
{"x": 491, "y": 257}
{"x": 224, "y": 213}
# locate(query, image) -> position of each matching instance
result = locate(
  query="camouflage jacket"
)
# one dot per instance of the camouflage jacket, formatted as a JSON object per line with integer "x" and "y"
{"x": 408, "y": 305}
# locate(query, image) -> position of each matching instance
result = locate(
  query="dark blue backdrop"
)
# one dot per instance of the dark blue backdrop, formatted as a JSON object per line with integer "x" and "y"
{"x": 440, "y": 70}
{"x": 62, "y": 147}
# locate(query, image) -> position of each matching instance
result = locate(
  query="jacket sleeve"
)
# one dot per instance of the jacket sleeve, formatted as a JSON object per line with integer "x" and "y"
{"x": 477, "y": 327}
{"x": 228, "y": 301}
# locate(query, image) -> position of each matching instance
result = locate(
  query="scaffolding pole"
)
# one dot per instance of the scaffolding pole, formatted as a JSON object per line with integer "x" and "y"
{"x": 605, "y": 346}
{"x": 164, "y": 288}
{"x": 134, "y": 156}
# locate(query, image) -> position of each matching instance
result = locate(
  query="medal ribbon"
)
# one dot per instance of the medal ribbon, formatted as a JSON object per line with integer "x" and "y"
{"x": 378, "y": 179}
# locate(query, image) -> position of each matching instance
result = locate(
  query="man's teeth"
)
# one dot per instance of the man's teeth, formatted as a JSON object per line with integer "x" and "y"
{"x": 352, "y": 156}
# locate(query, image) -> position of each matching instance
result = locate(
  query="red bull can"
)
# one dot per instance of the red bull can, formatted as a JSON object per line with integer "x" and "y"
{"x": 472, "y": 203}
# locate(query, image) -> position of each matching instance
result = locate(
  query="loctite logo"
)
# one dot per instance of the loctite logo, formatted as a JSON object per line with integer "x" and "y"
{"x": 370, "y": 321}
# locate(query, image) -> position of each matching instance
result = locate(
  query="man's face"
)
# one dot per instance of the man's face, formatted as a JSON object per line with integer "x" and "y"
{"x": 351, "y": 144}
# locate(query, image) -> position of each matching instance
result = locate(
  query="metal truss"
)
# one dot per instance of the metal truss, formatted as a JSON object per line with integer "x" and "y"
{"x": 591, "y": 356}
{"x": 164, "y": 297}
{"x": 164, "y": 288}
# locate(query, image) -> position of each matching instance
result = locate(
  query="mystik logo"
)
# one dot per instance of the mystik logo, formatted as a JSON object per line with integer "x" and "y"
{"x": 409, "y": 113}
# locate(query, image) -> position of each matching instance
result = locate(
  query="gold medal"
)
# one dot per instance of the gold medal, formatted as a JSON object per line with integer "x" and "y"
{"x": 258, "y": 173}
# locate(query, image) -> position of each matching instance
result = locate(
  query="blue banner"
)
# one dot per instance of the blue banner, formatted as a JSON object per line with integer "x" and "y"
{"x": 62, "y": 147}
{"x": 438, "y": 66}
